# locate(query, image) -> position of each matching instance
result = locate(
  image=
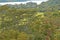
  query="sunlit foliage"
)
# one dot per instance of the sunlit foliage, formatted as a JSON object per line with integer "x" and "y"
{"x": 29, "y": 24}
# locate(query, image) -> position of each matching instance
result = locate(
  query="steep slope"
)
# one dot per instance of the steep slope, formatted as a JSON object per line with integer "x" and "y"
{"x": 50, "y": 5}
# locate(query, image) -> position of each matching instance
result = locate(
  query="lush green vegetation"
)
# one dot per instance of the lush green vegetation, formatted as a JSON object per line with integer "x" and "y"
{"x": 29, "y": 24}
{"x": 40, "y": 22}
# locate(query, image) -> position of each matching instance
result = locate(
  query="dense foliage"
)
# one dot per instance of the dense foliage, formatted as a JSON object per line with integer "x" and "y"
{"x": 29, "y": 23}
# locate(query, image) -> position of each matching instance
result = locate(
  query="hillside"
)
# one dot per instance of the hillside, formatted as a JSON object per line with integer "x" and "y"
{"x": 30, "y": 21}
{"x": 50, "y": 5}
